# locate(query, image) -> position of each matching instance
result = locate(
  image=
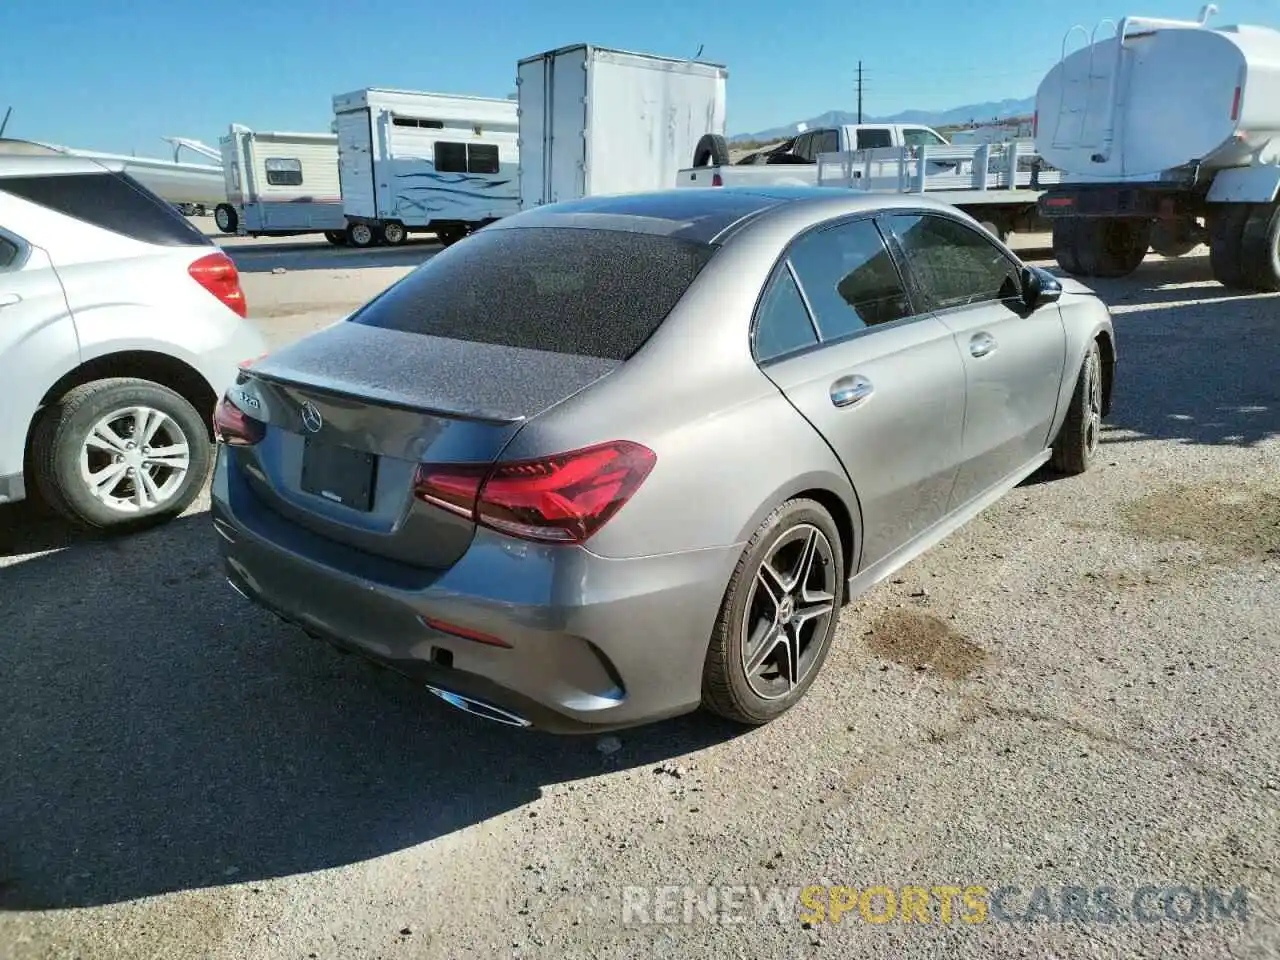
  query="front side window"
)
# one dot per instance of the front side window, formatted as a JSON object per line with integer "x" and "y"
{"x": 916, "y": 137}
{"x": 874, "y": 139}
{"x": 849, "y": 278}
{"x": 954, "y": 264}
{"x": 828, "y": 142}
{"x": 782, "y": 323}
{"x": 284, "y": 171}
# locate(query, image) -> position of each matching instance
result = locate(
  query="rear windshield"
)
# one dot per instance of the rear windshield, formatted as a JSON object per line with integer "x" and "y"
{"x": 112, "y": 201}
{"x": 594, "y": 293}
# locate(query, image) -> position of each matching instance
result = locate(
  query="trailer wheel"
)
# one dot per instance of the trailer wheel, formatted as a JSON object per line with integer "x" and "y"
{"x": 1173, "y": 238}
{"x": 1226, "y": 243}
{"x": 1108, "y": 248}
{"x": 450, "y": 234}
{"x": 394, "y": 233}
{"x": 337, "y": 237}
{"x": 711, "y": 151}
{"x": 224, "y": 215}
{"x": 360, "y": 235}
{"x": 1260, "y": 246}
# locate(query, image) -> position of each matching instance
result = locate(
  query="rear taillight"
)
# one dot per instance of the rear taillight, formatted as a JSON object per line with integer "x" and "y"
{"x": 717, "y": 180}
{"x": 1235, "y": 105}
{"x": 561, "y": 499}
{"x": 234, "y": 427}
{"x": 217, "y": 274}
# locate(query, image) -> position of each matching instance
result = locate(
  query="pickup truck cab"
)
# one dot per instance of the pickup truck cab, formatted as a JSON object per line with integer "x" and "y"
{"x": 795, "y": 162}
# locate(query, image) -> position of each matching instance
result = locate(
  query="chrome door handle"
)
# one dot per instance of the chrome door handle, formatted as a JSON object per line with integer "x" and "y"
{"x": 850, "y": 390}
{"x": 981, "y": 344}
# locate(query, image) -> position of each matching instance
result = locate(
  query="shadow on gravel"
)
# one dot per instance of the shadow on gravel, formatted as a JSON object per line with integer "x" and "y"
{"x": 263, "y": 258}
{"x": 1201, "y": 373}
{"x": 161, "y": 734}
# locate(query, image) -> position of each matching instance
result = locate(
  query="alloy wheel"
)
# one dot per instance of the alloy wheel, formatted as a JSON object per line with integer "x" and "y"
{"x": 792, "y": 601}
{"x": 135, "y": 459}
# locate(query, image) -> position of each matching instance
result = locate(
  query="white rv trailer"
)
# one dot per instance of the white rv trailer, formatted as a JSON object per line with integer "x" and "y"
{"x": 600, "y": 121}
{"x": 424, "y": 161}
{"x": 280, "y": 184}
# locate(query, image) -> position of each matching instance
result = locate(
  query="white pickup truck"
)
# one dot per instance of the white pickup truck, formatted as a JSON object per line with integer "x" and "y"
{"x": 998, "y": 183}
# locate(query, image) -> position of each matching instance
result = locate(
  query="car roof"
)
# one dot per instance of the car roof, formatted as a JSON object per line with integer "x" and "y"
{"x": 708, "y": 214}
{"x": 27, "y": 158}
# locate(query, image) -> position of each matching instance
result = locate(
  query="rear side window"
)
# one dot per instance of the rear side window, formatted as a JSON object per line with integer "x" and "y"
{"x": 849, "y": 278}
{"x": 112, "y": 201}
{"x": 874, "y": 139}
{"x": 783, "y": 323}
{"x": 954, "y": 264}
{"x": 594, "y": 293}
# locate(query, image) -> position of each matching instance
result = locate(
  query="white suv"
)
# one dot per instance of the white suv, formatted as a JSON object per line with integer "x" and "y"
{"x": 120, "y": 326}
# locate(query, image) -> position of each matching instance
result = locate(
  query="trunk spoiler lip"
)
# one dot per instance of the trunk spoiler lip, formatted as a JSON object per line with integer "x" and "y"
{"x": 383, "y": 398}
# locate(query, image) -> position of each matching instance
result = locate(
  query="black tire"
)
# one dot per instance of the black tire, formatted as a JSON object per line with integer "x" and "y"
{"x": 1111, "y": 248}
{"x": 337, "y": 237}
{"x": 1260, "y": 248}
{"x": 64, "y": 427}
{"x": 1226, "y": 243}
{"x": 727, "y": 688}
{"x": 226, "y": 218}
{"x": 1173, "y": 238}
{"x": 361, "y": 235}
{"x": 393, "y": 234}
{"x": 1064, "y": 245}
{"x": 711, "y": 151}
{"x": 450, "y": 234}
{"x": 1077, "y": 442}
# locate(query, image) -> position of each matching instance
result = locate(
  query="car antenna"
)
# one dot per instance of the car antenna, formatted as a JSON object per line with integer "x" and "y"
{"x": 5, "y": 122}
{"x": 698, "y": 55}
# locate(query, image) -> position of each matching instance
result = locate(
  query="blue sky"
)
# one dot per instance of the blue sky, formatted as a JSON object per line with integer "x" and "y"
{"x": 119, "y": 76}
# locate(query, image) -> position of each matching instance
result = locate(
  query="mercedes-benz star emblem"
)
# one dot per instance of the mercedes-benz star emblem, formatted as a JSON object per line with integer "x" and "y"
{"x": 311, "y": 418}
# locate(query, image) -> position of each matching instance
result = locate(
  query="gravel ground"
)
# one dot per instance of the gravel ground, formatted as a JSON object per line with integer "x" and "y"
{"x": 1078, "y": 689}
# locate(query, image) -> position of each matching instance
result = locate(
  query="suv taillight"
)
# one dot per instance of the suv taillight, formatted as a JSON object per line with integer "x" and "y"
{"x": 217, "y": 274}
{"x": 234, "y": 427}
{"x": 559, "y": 499}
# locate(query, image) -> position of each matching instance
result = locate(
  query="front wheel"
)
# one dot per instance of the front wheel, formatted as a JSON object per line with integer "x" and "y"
{"x": 120, "y": 453}
{"x": 777, "y": 617}
{"x": 1081, "y": 433}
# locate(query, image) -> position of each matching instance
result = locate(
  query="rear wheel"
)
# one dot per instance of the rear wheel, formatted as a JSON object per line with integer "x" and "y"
{"x": 777, "y": 617}
{"x": 450, "y": 234}
{"x": 360, "y": 235}
{"x": 337, "y": 237}
{"x": 394, "y": 233}
{"x": 1101, "y": 247}
{"x": 225, "y": 216}
{"x": 1226, "y": 243}
{"x": 1260, "y": 248}
{"x": 1077, "y": 442}
{"x": 120, "y": 453}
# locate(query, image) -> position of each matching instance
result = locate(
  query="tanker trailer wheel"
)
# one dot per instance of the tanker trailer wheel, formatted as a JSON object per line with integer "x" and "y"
{"x": 224, "y": 215}
{"x": 1226, "y": 222}
{"x": 1101, "y": 247}
{"x": 711, "y": 151}
{"x": 1173, "y": 238}
{"x": 1260, "y": 245}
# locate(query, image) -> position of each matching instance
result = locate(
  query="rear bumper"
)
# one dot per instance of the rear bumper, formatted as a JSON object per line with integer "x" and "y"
{"x": 1141, "y": 200}
{"x": 595, "y": 644}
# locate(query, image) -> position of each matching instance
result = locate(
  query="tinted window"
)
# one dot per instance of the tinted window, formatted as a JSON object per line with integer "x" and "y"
{"x": 451, "y": 157}
{"x": 482, "y": 158}
{"x": 782, "y": 322}
{"x": 849, "y": 279}
{"x": 828, "y": 142}
{"x": 874, "y": 139}
{"x": 921, "y": 138}
{"x": 8, "y": 252}
{"x": 283, "y": 172}
{"x": 953, "y": 263}
{"x": 596, "y": 293}
{"x": 111, "y": 201}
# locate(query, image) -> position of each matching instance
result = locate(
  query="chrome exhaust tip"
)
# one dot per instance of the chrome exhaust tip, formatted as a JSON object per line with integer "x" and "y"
{"x": 485, "y": 710}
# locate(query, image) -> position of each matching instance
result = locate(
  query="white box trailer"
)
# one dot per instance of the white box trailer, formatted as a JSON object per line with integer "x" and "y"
{"x": 280, "y": 184}
{"x": 424, "y": 161}
{"x": 600, "y": 121}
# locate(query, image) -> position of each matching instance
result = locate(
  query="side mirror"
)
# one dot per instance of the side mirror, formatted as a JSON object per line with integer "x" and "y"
{"x": 1039, "y": 287}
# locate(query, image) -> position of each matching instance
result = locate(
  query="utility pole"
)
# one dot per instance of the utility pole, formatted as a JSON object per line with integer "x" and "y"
{"x": 859, "y": 91}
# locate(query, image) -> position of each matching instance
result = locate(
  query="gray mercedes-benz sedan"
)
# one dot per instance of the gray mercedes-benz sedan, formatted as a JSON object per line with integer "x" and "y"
{"x": 605, "y": 461}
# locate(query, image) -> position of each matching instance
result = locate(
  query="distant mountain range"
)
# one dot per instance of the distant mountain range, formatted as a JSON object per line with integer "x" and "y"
{"x": 980, "y": 112}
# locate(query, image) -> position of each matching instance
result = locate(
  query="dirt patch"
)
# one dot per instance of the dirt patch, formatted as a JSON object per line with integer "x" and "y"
{"x": 1231, "y": 520}
{"x": 921, "y": 641}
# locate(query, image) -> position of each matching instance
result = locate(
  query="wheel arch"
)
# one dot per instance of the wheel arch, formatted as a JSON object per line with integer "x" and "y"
{"x": 1107, "y": 348}
{"x": 168, "y": 371}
